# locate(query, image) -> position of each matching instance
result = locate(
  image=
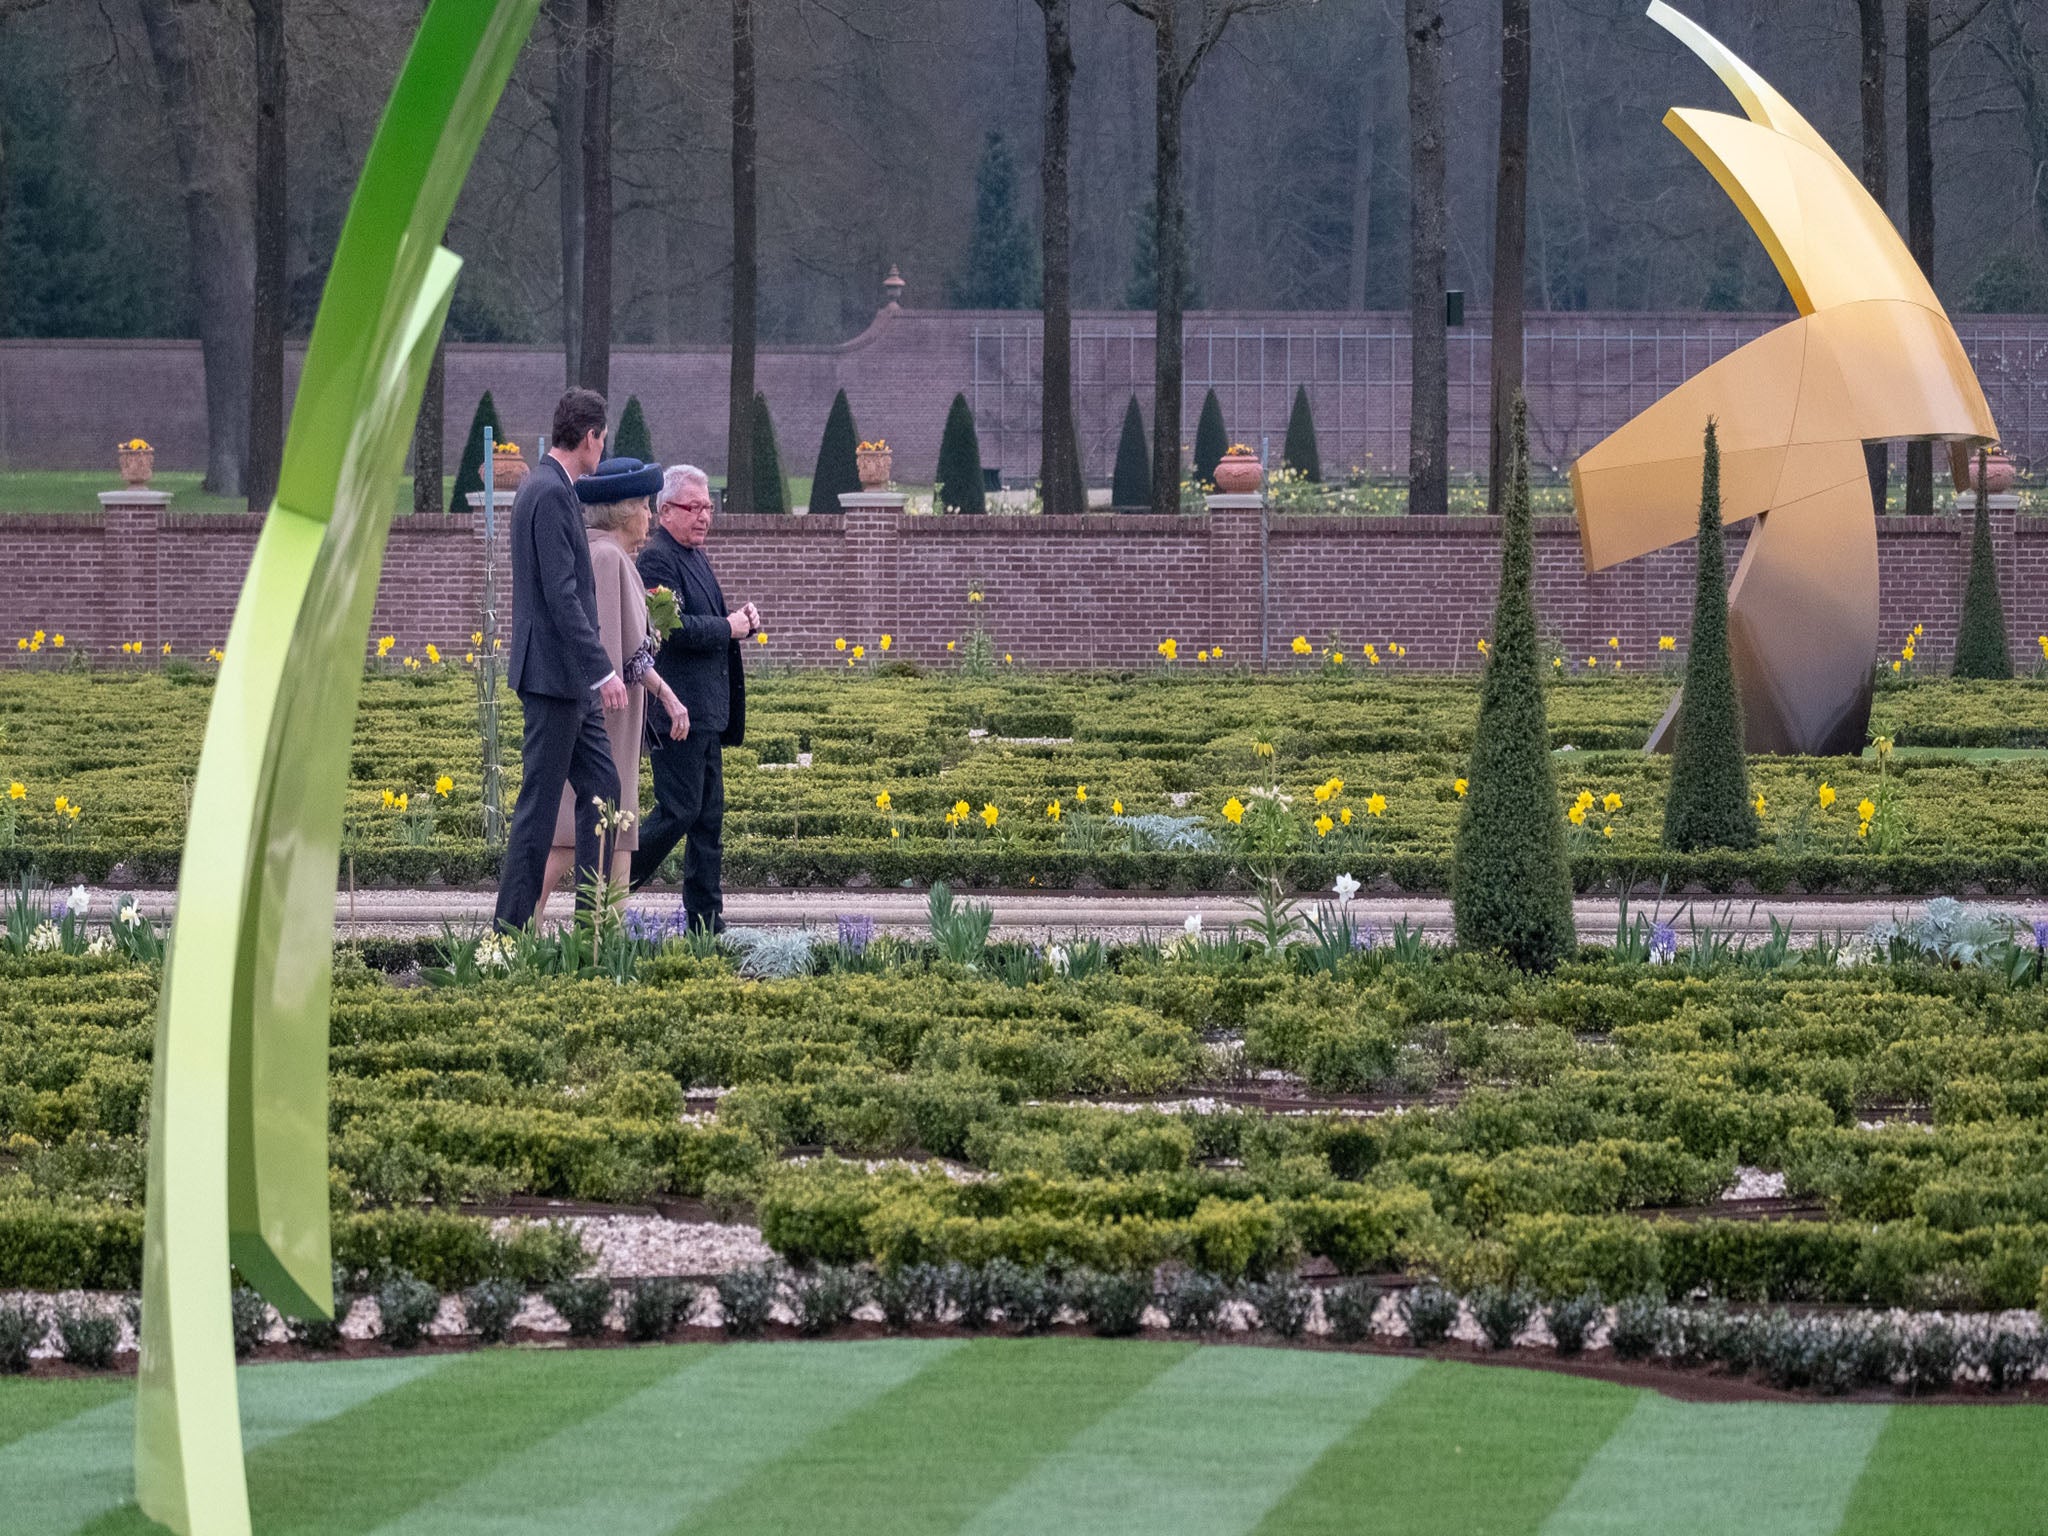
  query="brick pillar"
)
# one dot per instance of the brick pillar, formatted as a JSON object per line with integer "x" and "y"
{"x": 1236, "y": 524}
{"x": 874, "y": 543}
{"x": 130, "y": 607}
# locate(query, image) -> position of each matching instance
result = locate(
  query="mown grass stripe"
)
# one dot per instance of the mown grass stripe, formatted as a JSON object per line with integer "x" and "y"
{"x": 27, "y": 1407}
{"x": 1203, "y": 1450}
{"x": 72, "y": 1472}
{"x": 925, "y": 1457}
{"x": 1457, "y": 1450}
{"x": 1983, "y": 1470}
{"x": 651, "y": 1460}
{"x": 1734, "y": 1469}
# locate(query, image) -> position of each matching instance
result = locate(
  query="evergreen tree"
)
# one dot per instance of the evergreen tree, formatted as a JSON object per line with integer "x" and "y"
{"x": 1002, "y": 253}
{"x": 470, "y": 476}
{"x": 1130, "y": 487}
{"x": 959, "y": 479}
{"x": 631, "y": 440}
{"x": 1211, "y": 440}
{"x": 1141, "y": 291}
{"x": 1708, "y": 804}
{"x": 838, "y": 469}
{"x": 1511, "y": 884}
{"x": 1980, "y": 635}
{"x": 1301, "y": 454}
{"x": 771, "y": 491}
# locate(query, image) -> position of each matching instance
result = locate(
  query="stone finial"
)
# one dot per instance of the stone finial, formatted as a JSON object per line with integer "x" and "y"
{"x": 892, "y": 288}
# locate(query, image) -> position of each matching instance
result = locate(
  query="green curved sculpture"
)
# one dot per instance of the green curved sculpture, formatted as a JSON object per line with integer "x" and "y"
{"x": 238, "y": 1139}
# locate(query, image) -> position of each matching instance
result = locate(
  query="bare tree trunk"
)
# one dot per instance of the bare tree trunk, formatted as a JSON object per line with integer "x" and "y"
{"x": 1169, "y": 252}
{"x": 266, "y": 347}
{"x": 1876, "y": 180}
{"x": 739, "y": 415}
{"x": 1362, "y": 165}
{"x": 1429, "y": 427}
{"x": 1059, "y": 453}
{"x": 214, "y": 182}
{"x": 566, "y": 17}
{"x": 1919, "y": 214}
{"x": 599, "y": 42}
{"x": 426, "y": 434}
{"x": 1510, "y": 241}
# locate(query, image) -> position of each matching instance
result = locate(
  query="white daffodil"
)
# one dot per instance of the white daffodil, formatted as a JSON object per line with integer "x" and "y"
{"x": 1056, "y": 956}
{"x": 130, "y": 914}
{"x": 1193, "y": 926}
{"x": 1346, "y": 888}
{"x": 80, "y": 901}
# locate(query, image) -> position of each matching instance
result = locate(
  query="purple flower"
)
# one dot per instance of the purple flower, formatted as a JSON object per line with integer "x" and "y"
{"x": 1663, "y": 943}
{"x": 2041, "y": 934}
{"x": 1365, "y": 938}
{"x": 856, "y": 932}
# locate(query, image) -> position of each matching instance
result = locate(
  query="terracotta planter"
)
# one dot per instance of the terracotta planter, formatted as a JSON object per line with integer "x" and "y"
{"x": 508, "y": 469}
{"x": 874, "y": 464}
{"x": 1238, "y": 474}
{"x": 137, "y": 464}
{"x": 1998, "y": 469}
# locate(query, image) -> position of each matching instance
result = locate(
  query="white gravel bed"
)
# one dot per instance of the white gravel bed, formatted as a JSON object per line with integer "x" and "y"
{"x": 1755, "y": 1184}
{"x": 628, "y": 1247}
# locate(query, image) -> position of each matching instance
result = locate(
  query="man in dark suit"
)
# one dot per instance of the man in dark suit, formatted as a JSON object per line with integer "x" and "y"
{"x": 700, "y": 661}
{"x": 558, "y": 667}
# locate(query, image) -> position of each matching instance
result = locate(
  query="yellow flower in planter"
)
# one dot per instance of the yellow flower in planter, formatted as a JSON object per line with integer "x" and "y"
{"x": 887, "y": 641}
{"x": 476, "y": 637}
{"x": 1116, "y": 807}
{"x": 1201, "y": 655}
{"x": 951, "y": 643}
{"x": 1827, "y": 794}
{"x": 1761, "y": 804}
{"x": 1614, "y": 642}
{"x": 1610, "y": 802}
{"x": 1667, "y": 642}
{"x": 1169, "y": 648}
{"x": 167, "y": 648}
{"x": 1345, "y": 815}
{"x": 384, "y": 645}
{"x": 882, "y": 801}
{"x": 1607, "y": 831}
{"x": 135, "y": 445}
{"x": 990, "y": 815}
{"x": 860, "y": 653}
{"x": 760, "y": 637}
{"x": 1080, "y": 794}
{"x": 443, "y": 786}
{"x": 433, "y": 653}
{"x": 1866, "y": 810}
{"x": 1485, "y": 649}
{"x": 1376, "y": 804}
{"x": 1336, "y": 658}
{"x": 1303, "y": 648}
{"x": 839, "y": 644}
{"x": 1459, "y": 786}
{"x": 974, "y": 597}
{"x": 962, "y": 809}
{"x": 17, "y": 790}
{"x": 1324, "y": 826}
{"x": 1576, "y": 816}
{"x": 1053, "y": 810}
{"x": 1863, "y": 829}
{"x": 1233, "y": 811}
{"x": 57, "y": 641}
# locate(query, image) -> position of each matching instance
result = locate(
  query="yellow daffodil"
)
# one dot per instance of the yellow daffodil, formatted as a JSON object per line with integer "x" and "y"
{"x": 57, "y": 641}
{"x": 72, "y": 811}
{"x": 1761, "y": 804}
{"x": 1576, "y": 816}
{"x": 1116, "y": 807}
{"x": 1607, "y": 831}
{"x": 1895, "y": 666}
{"x": 951, "y": 643}
{"x": 1302, "y": 647}
{"x": 476, "y": 637}
{"x": 839, "y": 644}
{"x": 882, "y": 801}
{"x": 404, "y": 801}
{"x": 1216, "y": 651}
{"x": 1459, "y": 786}
{"x": 384, "y": 645}
{"x": 962, "y": 809}
{"x": 1558, "y": 662}
{"x": 1863, "y": 829}
{"x": 895, "y": 831}
{"x": 1919, "y": 630}
{"x": 1201, "y": 655}
{"x": 61, "y": 804}
{"x": 1233, "y": 811}
{"x": 1614, "y": 642}
{"x": 1006, "y": 658}
{"x": 433, "y": 653}
{"x": 1336, "y": 658}
{"x": 1345, "y": 815}
{"x": 1610, "y": 802}
{"x": 17, "y": 790}
{"x": 974, "y": 597}
{"x": 1324, "y": 826}
{"x": 1080, "y": 794}
{"x": 443, "y": 786}
{"x": 1053, "y": 810}
{"x": 1667, "y": 642}
{"x": 860, "y": 653}
{"x": 1376, "y": 804}
{"x": 469, "y": 658}
{"x": 760, "y": 637}
{"x": 1169, "y": 648}
{"x": 887, "y": 641}
{"x": 1827, "y": 794}
{"x": 1323, "y": 793}
{"x": 21, "y": 644}
{"x": 390, "y": 799}
{"x": 1592, "y": 661}
{"x": 1585, "y": 801}
{"x": 1485, "y": 649}
{"x": 38, "y": 637}
{"x": 990, "y": 815}
{"x": 1867, "y": 810}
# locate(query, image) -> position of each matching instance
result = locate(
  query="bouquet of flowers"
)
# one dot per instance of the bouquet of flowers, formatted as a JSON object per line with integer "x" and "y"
{"x": 663, "y": 616}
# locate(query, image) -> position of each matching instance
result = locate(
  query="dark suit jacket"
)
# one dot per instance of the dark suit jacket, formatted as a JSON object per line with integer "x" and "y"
{"x": 700, "y": 660}
{"x": 556, "y": 650}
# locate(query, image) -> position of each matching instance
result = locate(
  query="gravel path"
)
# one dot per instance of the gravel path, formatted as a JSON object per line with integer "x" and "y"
{"x": 1117, "y": 916}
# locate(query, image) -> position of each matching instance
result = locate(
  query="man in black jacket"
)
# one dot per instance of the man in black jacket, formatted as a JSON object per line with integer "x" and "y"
{"x": 558, "y": 667}
{"x": 700, "y": 660}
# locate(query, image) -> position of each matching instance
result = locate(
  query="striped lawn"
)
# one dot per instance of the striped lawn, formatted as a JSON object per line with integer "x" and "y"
{"x": 1044, "y": 1437}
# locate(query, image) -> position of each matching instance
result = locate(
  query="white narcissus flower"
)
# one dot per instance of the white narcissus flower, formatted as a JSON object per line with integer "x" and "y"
{"x": 130, "y": 915}
{"x": 80, "y": 902}
{"x": 1056, "y": 957}
{"x": 1193, "y": 925}
{"x": 1346, "y": 887}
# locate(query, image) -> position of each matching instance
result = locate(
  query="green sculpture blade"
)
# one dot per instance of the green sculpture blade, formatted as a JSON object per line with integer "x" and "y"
{"x": 238, "y": 1146}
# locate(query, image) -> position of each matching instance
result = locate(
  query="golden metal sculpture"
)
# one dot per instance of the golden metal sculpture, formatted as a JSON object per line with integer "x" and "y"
{"x": 1872, "y": 356}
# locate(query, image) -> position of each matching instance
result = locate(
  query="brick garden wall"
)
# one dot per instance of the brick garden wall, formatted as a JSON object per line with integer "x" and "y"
{"x": 1096, "y": 591}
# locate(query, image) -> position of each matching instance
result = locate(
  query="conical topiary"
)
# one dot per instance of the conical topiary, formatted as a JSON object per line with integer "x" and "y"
{"x": 1511, "y": 884}
{"x": 470, "y": 477}
{"x": 1300, "y": 454}
{"x": 1130, "y": 487}
{"x": 1708, "y": 805}
{"x": 1211, "y": 441}
{"x": 959, "y": 481}
{"x": 838, "y": 469}
{"x": 631, "y": 440}
{"x": 771, "y": 491}
{"x": 1980, "y": 634}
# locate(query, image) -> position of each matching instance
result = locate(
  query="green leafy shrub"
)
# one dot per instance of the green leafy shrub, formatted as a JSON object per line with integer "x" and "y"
{"x": 1131, "y": 481}
{"x": 1300, "y": 453}
{"x": 958, "y": 486}
{"x": 22, "y": 1328}
{"x": 1192, "y": 1300}
{"x": 1349, "y": 1306}
{"x": 1113, "y": 1303}
{"x": 469, "y": 473}
{"x": 746, "y": 1299}
{"x": 1212, "y": 440}
{"x": 1430, "y": 1313}
{"x": 1282, "y": 1306}
{"x": 585, "y": 1305}
{"x": 1933, "y": 1353}
{"x": 1980, "y": 632}
{"x": 406, "y": 1305}
{"x": 838, "y": 467}
{"x": 822, "y": 1299}
{"x": 248, "y": 1318}
{"x": 1029, "y": 1299}
{"x": 1637, "y": 1328}
{"x": 489, "y": 1307}
{"x": 1571, "y": 1320}
{"x": 87, "y": 1337}
{"x": 1502, "y": 1312}
{"x": 655, "y": 1307}
{"x": 323, "y": 1333}
{"x": 910, "y": 1294}
{"x": 771, "y": 488}
{"x": 969, "y": 1293}
{"x": 631, "y": 440}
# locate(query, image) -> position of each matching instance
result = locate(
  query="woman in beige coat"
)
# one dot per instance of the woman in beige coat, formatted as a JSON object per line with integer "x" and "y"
{"x": 619, "y": 513}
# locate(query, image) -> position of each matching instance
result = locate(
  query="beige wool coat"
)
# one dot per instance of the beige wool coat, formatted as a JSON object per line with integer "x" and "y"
{"x": 622, "y": 626}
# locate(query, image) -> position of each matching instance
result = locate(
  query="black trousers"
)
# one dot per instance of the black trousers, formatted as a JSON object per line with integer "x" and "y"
{"x": 565, "y": 744}
{"x": 689, "y": 802}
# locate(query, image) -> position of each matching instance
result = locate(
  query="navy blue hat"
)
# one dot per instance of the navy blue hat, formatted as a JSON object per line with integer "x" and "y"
{"x": 619, "y": 480}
